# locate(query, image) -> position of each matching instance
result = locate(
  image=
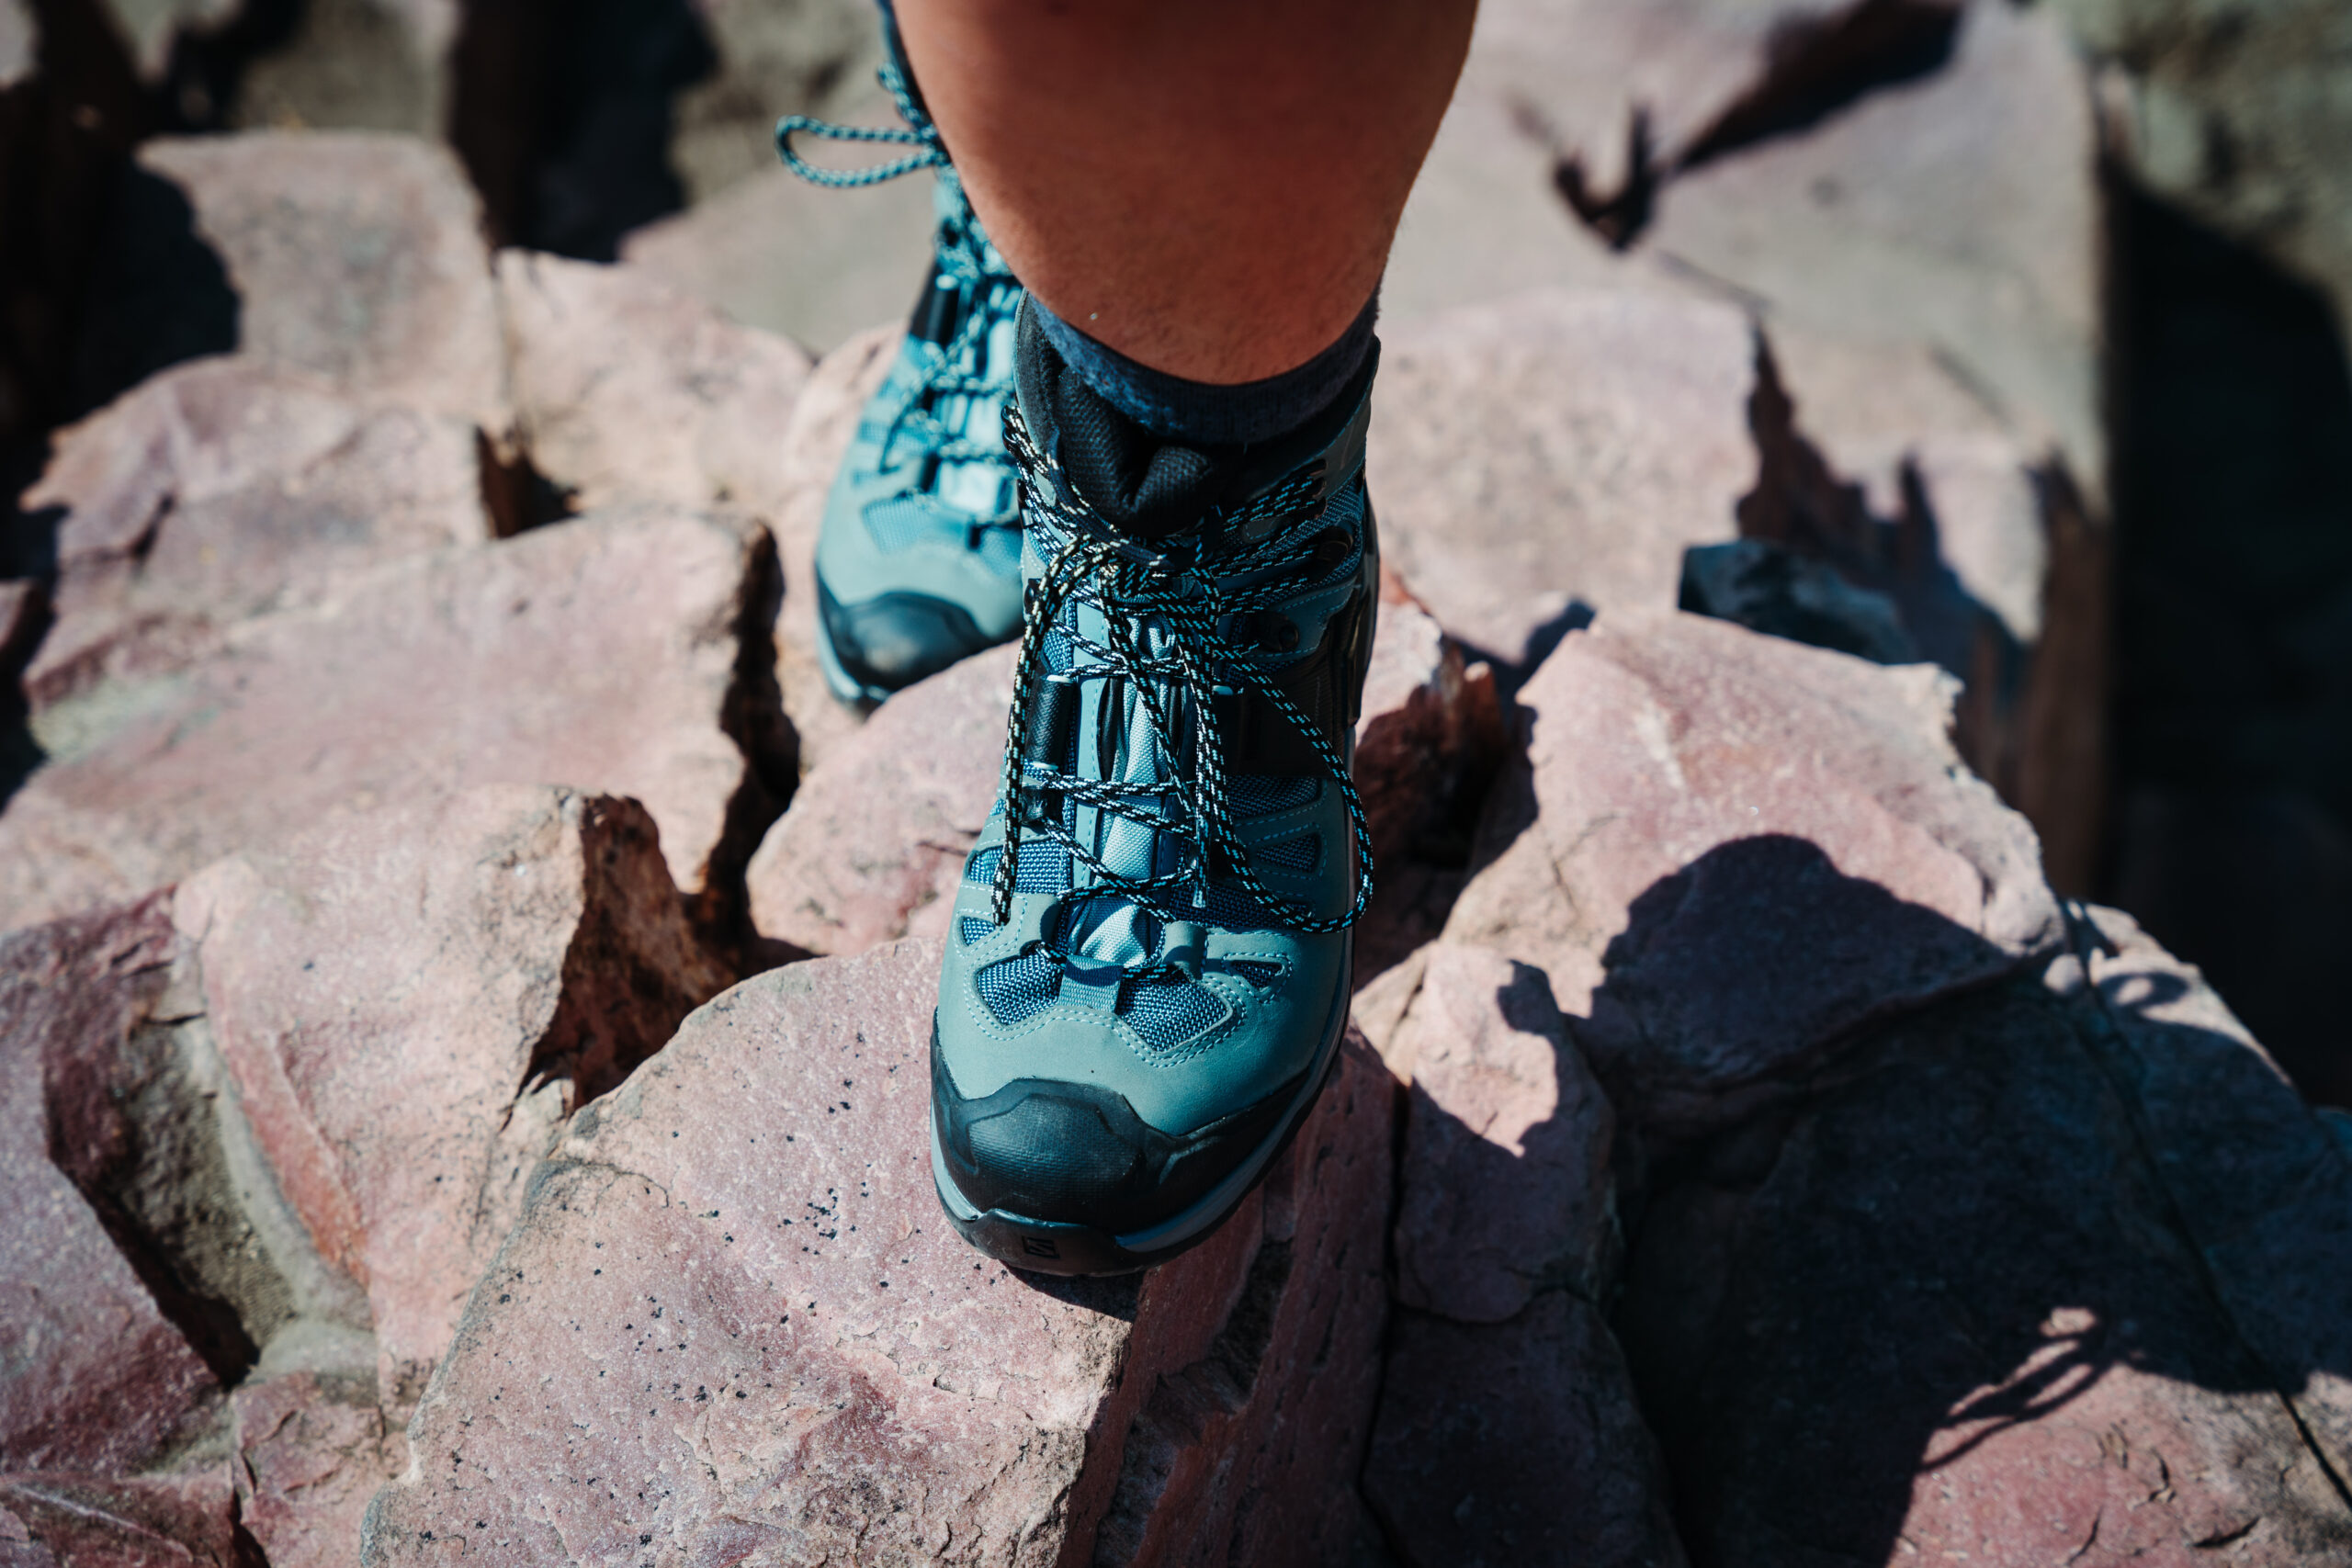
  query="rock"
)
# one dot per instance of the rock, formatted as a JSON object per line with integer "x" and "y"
{"x": 2262, "y": 1186}
{"x": 875, "y": 840}
{"x": 776, "y": 253}
{"x": 19, "y": 43}
{"x": 1958, "y": 210}
{"x": 1539, "y": 459}
{"x": 2179, "y": 82}
{"x": 356, "y": 256}
{"x": 732, "y": 1303}
{"x": 312, "y": 1451}
{"x": 24, "y": 615}
{"x": 223, "y": 489}
{"x": 876, "y": 837}
{"x": 98, "y": 1379}
{"x": 1948, "y": 1306}
{"x": 52, "y": 1520}
{"x": 410, "y": 1000}
{"x": 815, "y": 56}
{"x": 623, "y": 653}
{"x": 628, "y": 391}
{"x": 823, "y": 422}
{"x": 1700, "y": 806}
{"x": 1505, "y": 1189}
{"x": 1516, "y": 1443}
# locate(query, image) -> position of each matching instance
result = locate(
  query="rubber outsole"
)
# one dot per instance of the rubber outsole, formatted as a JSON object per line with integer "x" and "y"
{"x": 1048, "y": 1247}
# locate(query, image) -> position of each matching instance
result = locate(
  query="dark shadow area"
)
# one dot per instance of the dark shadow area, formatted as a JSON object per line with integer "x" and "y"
{"x": 562, "y": 110}
{"x": 1951, "y": 1229}
{"x": 1820, "y": 66}
{"x": 158, "y": 293}
{"x": 2232, "y": 706}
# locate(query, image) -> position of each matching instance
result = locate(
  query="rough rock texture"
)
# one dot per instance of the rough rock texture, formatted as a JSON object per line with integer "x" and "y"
{"x": 224, "y": 488}
{"x": 1508, "y": 1430}
{"x": 876, "y": 837}
{"x": 1695, "y": 792}
{"x": 1517, "y": 495}
{"x": 66, "y": 1521}
{"x": 312, "y": 1450}
{"x": 1951, "y": 1306}
{"x": 628, "y": 391}
{"x": 2237, "y": 113}
{"x": 409, "y": 1001}
{"x": 823, "y": 422}
{"x": 357, "y": 258}
{"x": 1959, "y": 209}
{"x": 731, "y": 1322}
{"x": 99, "y": 1375}
{"x": 1516, "y": 1443}
{"x": 624, "y": 653}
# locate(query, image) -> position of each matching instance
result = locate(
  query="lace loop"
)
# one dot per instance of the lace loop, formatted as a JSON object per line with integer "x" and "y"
{"x": 918, "y": 132}
{"x": 1134, "y": 587}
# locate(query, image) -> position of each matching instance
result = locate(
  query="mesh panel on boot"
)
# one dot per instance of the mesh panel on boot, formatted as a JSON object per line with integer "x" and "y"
{"x": 1019, "y": 988}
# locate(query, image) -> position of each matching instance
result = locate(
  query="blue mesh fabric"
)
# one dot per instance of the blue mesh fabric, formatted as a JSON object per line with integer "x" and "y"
{"x": 1001, "y": 550}
{"x": 970, "y": 928}
{"x": 1296, "y": 853}
{"x": 902, "y": 523}
{"x": 1043, "y": 868}
{"x": 1019, "y": 988}
{"x": 1167, "y": 1013}
{"x": 1257, "y": 795}
{"x": 1255, "y": 971}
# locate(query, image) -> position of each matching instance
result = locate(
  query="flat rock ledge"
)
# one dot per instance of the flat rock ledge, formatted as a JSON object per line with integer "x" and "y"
{"x": 731, "y": 1325}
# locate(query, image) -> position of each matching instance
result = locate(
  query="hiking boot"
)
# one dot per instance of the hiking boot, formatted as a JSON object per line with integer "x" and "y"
{"x": 918, "y": 553}
{"x": 1148, "y": 969}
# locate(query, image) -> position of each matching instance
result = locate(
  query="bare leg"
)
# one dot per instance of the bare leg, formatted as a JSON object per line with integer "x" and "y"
{"x": 1208, "y": 187}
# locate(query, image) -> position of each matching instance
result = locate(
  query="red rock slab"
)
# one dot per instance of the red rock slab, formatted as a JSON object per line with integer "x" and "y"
{"x": 876, "y": 837}
{"x": 312, "y": 1451}
{"x": 1517, "y": 1443}
{"x": 824, "y": 421}
{"x": 626, "y": 390}
{"x": 733, "y": 1323}
{"x": 96, "y": 1379}
{"x": 409, "y": 999}
{"x": 2262, "y": 1185}
{"x": 622, "y": 653}
{"x": 1948, "y": 1307}
{"x": 1505, "y": 1186}
{"x": 355, "y": 256}
{"x": 223, "y": 489}
{"x": 52, "y": 1520}
{"x": 1558, "y": 449}
{"x": 1728, "y": 852}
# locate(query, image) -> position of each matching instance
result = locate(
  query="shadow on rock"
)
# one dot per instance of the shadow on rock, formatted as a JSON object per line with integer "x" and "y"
{"x": 2037, "y": 1271}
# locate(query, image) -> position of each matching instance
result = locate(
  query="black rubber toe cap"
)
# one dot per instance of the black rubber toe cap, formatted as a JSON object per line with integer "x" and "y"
{"x": 1077, "y": 1154}
{"x": 896, "y": 639}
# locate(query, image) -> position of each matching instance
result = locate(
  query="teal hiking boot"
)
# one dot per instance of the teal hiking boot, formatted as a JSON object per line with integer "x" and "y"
{"x": 1148, "y": 969}
{"x": 919, "y": 555}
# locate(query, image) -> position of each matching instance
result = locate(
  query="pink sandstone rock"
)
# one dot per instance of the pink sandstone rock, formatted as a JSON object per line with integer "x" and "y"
{"x": 312, "y": 1451}
{"x": 823, "y": 422}
{"x": 874, "y": 842}
{"x": 410, "y": 1000}
{"x": 1505, "y": 1188}
{"x": 876, "y": 837}
{"x": 732, "y": 1324}
{"x": 1702, "y": 807}
{"x": 356, "y": 256}
{"x": 223, "y": 489}
{"x": 1542, "y": 456}
{"x": 1515, "y": 1445}
{"x": 96, "y": 1379}
{"x": 623, "y": 653}
{"x": 625, "y": 390}
{"x": 1948, "y": 1306}
{"x": 184, "y": 1520}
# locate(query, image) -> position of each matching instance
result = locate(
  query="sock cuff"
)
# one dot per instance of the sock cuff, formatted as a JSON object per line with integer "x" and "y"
{"x": 1199, "y": 412}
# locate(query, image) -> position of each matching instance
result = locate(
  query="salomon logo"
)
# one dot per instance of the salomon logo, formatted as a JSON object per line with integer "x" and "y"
{"x": 1040, "y": 1246}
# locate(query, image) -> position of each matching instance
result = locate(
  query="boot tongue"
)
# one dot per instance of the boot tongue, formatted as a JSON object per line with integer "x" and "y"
{"x": 1144, "y": 485}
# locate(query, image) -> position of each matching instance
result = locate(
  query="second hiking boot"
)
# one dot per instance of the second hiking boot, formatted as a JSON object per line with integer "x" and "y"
{"x": 1148, "y": 969}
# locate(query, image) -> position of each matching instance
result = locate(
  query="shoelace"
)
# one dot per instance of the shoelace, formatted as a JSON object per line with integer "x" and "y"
{"x": 989, "y": 292}
{"x": 1190, "y": 587}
